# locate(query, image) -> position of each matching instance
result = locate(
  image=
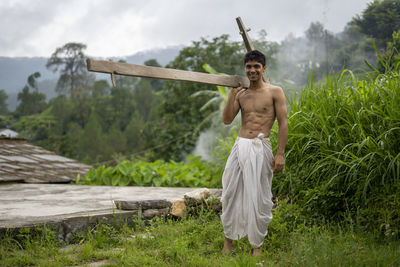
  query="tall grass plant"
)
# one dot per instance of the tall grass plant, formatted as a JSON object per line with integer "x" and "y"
{"x": 343, "y": 150}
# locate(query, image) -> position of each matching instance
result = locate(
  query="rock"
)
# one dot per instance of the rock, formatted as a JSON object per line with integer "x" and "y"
{"x": 196, "y": 196}
{"x": 142, "y": 204}
{"x": 178, "y": 208}
{"x": 217, "y": 192}
{"x": 151, "y": 213}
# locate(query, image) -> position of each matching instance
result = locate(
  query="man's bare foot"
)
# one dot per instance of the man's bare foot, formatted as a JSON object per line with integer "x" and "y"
{"x": 257, "y": 252}
{"x": 227, "y": 246}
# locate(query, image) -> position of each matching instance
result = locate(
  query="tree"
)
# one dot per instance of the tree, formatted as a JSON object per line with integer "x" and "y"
{"x": 134, "y": 133}
{"x": 70, "y": 60}
{"x": 157, "y": 84}
{"x": 32, "y": 81}
{"x": 121, "y": 107}
{"x": 91, "y": 146}
{"x": 3, "y": 103}
{"x": 146, "y": 100}
{"x": 30, "y": 102}
{"x": 379, "y": 20}
{"x": 100, "y": 88}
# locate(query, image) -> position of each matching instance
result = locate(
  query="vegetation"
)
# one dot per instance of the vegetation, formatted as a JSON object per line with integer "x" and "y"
{"x": 70, "y": 60}
{"x": 32, "y": 102}
{"x": 379, "y": 20}
{"x": 194, "y": 173}
{"x": 3, "y": 104}
{"x": 197, "y": 241}
{"x": 343, "y": 156}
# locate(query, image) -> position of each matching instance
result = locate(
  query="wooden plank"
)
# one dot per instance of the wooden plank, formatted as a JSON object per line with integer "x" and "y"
{"x": 245, "y": 36}
{"x": 247, "y": 41}
{"x": 119, "y": 68}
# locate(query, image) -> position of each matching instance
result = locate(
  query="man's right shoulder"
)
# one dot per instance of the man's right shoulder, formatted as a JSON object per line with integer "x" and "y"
{"x": 274, "y": 87}
{"x": 276, "y": 91}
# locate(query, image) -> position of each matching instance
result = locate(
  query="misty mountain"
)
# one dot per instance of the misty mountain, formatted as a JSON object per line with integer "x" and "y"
{"x": 14, "y": 71}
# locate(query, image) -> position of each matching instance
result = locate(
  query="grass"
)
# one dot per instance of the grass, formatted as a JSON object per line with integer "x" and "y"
{"x": 343, "y": 149}
{"x": 197, "y": 241}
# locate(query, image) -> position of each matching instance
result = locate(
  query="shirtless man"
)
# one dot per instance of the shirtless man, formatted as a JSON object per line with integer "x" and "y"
{"x": 246, "y": 196}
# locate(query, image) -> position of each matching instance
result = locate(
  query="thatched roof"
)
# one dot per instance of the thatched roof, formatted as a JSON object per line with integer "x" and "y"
{"x": 20, "y": 161}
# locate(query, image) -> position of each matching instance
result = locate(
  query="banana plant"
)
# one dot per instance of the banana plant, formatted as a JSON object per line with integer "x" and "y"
{"x": 217, "y": 98}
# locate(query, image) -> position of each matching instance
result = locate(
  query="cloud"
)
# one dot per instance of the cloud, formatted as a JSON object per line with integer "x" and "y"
{"x": 123, "y": 27}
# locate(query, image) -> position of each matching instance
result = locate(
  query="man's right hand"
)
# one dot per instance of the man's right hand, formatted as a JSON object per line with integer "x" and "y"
{"x": 235, "y": 90}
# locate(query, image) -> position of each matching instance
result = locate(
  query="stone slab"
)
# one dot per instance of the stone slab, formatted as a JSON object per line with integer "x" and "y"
{"x": 28, "y": 205}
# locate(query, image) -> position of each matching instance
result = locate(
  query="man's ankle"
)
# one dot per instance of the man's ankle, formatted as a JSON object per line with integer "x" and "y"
{"x": 230, "y": 241}
{"x": 257, "y": 251}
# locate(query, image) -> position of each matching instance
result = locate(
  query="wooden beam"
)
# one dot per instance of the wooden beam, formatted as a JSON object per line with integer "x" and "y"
{"x": 245, "y": 36}
{"x": 119, "y": 68}
{"x": 247, "y": 41}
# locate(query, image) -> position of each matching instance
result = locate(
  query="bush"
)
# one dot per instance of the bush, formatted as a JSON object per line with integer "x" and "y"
{"x": 343, "y": 150}
{"x": 194, "y": 173}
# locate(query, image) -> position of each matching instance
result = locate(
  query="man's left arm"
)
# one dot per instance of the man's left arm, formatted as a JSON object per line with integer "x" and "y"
{"x": 281, "y": 115}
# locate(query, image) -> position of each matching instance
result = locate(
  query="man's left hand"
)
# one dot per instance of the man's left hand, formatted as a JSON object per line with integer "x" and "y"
{"x": 278, "y": 163}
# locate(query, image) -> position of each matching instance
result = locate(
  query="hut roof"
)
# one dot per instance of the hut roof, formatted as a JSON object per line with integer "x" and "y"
{"x": 20, "y": 161}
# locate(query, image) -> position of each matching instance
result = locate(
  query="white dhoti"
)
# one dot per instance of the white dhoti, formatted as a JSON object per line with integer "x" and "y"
{"x": 246, "y": 194}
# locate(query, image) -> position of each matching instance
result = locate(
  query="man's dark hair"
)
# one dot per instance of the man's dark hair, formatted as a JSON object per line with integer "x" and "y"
{"x": 256, "y": 56}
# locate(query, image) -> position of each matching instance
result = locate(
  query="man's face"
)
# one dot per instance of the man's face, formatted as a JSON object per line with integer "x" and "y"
{"x": 254, "y": 70}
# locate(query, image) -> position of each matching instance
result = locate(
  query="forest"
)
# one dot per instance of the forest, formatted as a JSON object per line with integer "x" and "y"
{"x": 342, "y": 89}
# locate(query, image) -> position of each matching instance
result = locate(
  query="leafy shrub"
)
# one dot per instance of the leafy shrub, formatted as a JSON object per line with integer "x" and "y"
{"x": 194, "y": 173}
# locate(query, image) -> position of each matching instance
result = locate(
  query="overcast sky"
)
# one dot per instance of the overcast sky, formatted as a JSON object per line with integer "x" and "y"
{"x": 124, "y": 27}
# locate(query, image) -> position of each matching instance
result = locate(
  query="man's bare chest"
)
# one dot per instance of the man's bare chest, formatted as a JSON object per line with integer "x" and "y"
{"x": 260, "y": 102}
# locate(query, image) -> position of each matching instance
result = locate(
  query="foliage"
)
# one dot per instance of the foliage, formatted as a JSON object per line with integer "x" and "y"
{"x": 97, "y": 126}
{"x": 389, "y": 59}
{"x": 379, "y": 20}
{"x": 194, "y": 173}
{"x": 5, "y": 121}
{"x": 39, "y": 124}
{"x": 216, "y": 102}
{"x": 3, "y": 103}
{"x": 343, "y": 149}
{"x": 322, "y": 53}
{"x": 30, "y": 102}
{"x": 319, "y": 53}
{"x": 70, "y": 60}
